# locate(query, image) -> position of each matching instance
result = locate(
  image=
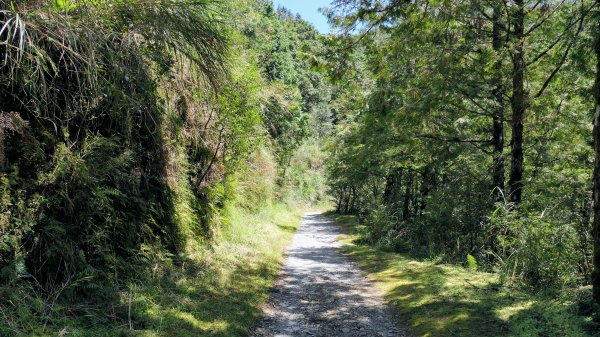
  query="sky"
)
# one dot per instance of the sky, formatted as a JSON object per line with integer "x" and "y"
{"x": 309, "y": 10}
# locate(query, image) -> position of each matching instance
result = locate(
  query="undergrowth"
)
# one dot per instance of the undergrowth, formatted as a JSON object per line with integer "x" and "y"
{"x": 435, "y": 299}
{"x": 215, "y": 291}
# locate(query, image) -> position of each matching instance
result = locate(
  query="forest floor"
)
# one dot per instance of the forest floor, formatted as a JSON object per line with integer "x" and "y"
{"x": 436, "y": 299}
{"x": 321, "y": 292}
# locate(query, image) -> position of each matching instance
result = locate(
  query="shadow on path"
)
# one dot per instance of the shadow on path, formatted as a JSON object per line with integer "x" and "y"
{"x": 322, "y": 293}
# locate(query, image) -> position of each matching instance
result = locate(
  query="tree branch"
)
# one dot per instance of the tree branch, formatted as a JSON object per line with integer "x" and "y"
{"x": 562, "y": 60}
{"x": 451, "y": 139}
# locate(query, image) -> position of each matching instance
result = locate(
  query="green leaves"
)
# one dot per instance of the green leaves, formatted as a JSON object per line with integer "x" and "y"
{"x": 64, "y": 5}
{"x": 428, "y": 149}
{"x": 472, "y": 262}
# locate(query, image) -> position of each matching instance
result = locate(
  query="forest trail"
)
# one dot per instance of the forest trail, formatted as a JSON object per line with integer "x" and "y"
{"x": 322, "y": 293}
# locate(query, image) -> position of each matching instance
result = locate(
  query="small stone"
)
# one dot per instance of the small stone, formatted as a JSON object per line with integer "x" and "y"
{"x": 345, "y": 330}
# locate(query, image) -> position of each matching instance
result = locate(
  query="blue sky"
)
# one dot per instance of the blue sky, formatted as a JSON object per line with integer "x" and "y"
{"x": 309, "y": 10}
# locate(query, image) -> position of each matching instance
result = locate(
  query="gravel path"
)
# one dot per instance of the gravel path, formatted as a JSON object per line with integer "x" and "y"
{"x": 322, "y": 293}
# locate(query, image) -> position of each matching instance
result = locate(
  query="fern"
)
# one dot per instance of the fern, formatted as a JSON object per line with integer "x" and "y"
{"x": 472, "y": 262}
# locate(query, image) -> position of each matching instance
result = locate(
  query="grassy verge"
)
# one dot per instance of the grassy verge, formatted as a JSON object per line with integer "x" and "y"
{"x": 448, "y": 300}
{"x": 218, "y": 292}
{"x": 221, "y": 295}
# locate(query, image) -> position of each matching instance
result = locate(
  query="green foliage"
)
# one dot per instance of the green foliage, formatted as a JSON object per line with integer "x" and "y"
{"x": 93, "y": 149}
{"x": 472, "y": 262}
{"x": 294, "y": 98}
{"x": 438, "y": 299}
{"x": 174, "y": 298}
{"x": 537, "y": 253}
{"x": 305, "y": 175}
{"x": 426, "y": 135}
{"x": 143, "y": 147}
{"x": 254, "y": 186}
{"x": 279, "y": 61}
{"x": 63, "y": 5}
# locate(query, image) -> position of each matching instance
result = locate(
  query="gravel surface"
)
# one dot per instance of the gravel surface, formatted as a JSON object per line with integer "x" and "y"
{"x": 322, "y": 293}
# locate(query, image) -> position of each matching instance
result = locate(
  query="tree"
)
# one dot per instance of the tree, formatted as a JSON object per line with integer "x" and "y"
{"x": 596, "y": 175}
{"x": 424, "y": 159}
{"x": 518, "y": 101}
{"x": 498, "y": 179}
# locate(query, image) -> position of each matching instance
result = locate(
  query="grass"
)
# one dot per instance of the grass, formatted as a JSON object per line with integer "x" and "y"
{"x": 221, "y": 295}
{"x": 448, "y": 300}
{"x": 217, "y": 292}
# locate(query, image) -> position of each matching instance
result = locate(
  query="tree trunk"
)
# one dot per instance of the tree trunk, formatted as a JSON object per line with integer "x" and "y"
{"x": 585, "y": 212}
{"x": 353, "y": 201}
{"x": 596, "y": 177}
{"x": 425, "y": 187}
{"x": 519, "y": 105}
{"x": 347, "y": 205}
{"x": 407, "y": 198}
{"x": 498, "y": 114}
{"x": 389, "y": 187}
{"x": 340, "y": 200}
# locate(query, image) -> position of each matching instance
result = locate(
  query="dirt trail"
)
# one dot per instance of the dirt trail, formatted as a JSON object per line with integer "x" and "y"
{"x": 322, "y": 293}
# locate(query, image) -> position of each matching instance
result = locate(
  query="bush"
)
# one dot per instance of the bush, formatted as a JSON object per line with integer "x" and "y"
{"x": 87, "y": 171}
{"x": 305, "y": 177}
{"x": 536, "y": 252}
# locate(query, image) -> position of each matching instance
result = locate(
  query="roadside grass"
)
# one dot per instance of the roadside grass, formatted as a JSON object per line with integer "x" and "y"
{"x": 221, "y": 294}
{"x": 217, "y": 292}
{"x": 434, "y": 299}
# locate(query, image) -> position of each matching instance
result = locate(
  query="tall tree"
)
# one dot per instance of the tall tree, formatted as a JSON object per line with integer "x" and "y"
{"x": 498, "y": 113}
{"x": 529, "y": 47}
{"x": 518, "y": 102}
{"x": 451, "y": 80}
{"x": 596, "y": 177}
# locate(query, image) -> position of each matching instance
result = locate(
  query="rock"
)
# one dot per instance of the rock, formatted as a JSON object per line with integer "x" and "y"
{"x": 345, "y": 330}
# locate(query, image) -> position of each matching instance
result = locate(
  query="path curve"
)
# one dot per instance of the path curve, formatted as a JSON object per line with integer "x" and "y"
{"x": 322, "y": 293}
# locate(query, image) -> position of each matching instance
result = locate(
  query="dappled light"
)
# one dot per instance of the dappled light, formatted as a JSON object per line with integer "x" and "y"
{"x": 445, "y": 300}
{"x": 336, "y": 168}
{"x": 321, "y": 293}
